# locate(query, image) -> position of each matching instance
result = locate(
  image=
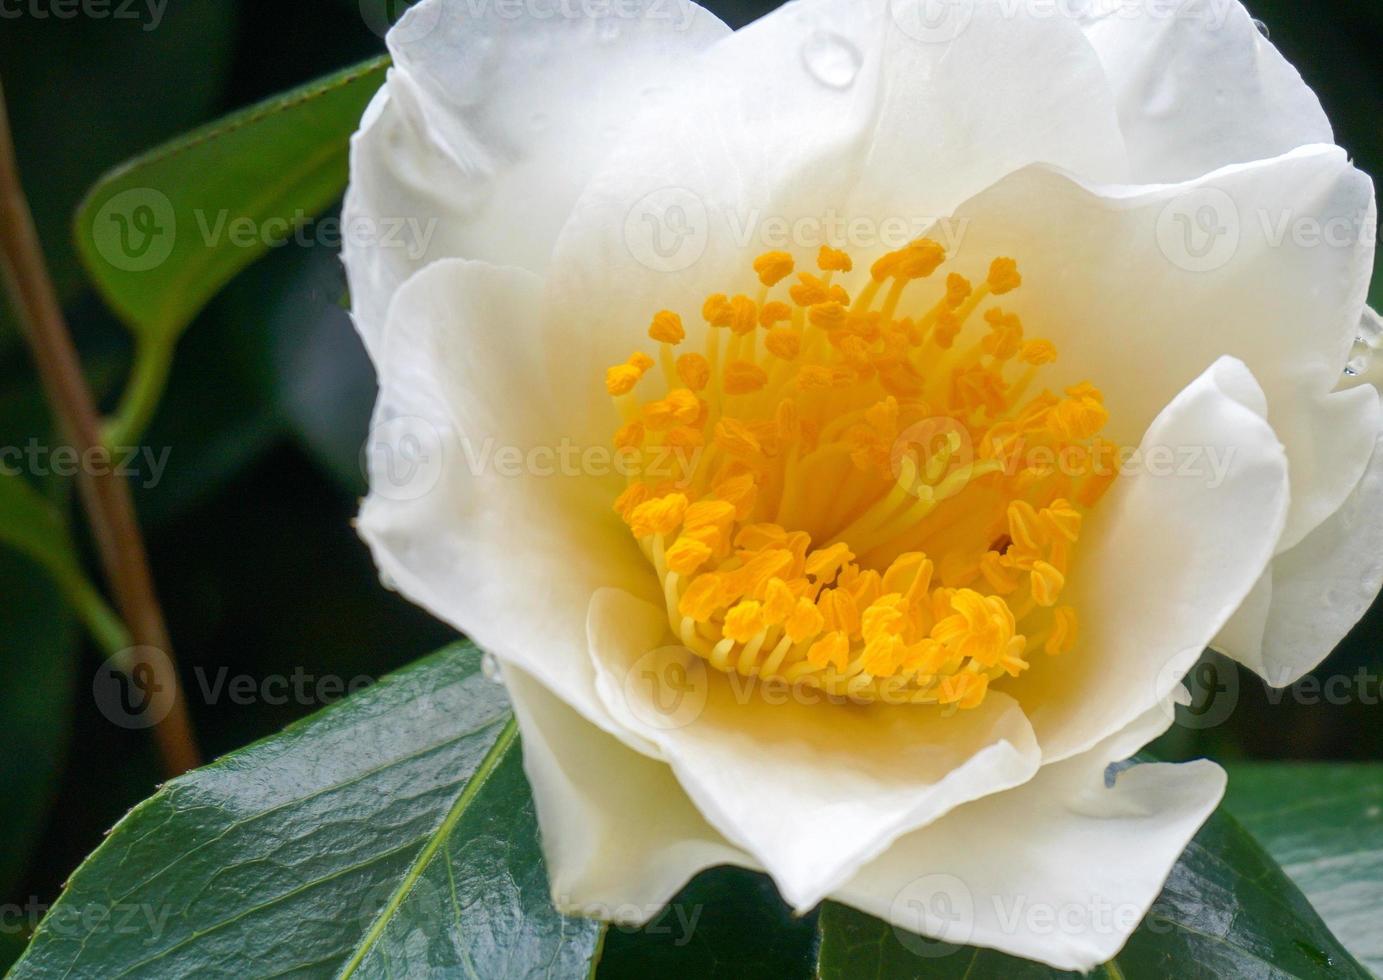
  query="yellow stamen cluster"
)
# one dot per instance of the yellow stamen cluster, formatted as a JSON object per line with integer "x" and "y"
{"x": 873, "y": 505}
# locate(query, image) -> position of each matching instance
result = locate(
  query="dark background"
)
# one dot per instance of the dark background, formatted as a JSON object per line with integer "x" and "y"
{"x": 258, "y": 568}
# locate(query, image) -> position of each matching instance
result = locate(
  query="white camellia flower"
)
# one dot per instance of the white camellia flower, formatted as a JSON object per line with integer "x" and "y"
{"x": 846, "y": 431}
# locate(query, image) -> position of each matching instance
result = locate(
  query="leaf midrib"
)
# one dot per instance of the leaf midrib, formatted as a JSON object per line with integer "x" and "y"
{"x": 482, "y": 774}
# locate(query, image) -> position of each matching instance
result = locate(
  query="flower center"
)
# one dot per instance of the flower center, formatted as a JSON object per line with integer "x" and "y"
{"x": 867, "y": 502}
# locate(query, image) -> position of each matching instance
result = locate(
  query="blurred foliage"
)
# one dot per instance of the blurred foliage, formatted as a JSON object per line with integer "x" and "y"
{"x": 249, "y": 528}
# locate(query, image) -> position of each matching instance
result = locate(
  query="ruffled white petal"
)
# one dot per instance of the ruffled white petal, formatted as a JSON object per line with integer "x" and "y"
{"x": 1199, "y": 87}
{"x": 1142, "y": 287}
{"x": 472, "y": 512}
{"x": 1060, "y": 870}
{"x": 1164, "y": 561}
{"x": 810, "y": 789}
{"x": 490, "y": 125}
{"x": 1320, "y": 588}
{"x": 619, "y": 835}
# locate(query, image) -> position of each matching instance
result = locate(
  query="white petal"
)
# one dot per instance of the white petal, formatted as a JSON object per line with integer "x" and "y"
{"x": 1163, "y": 562}
{"x": 826, "y": 121}
{"x": 810, "y": 789}
{"x": 1060, "y": 870}
{"x": 472, "y": 512}
{"x": 490, "y": 125}
{"x": 619, "y": 835}
{"x": 1321, "y": 587}
{"x": 1139, "y": 298}
{"x": 1198, "y": 87}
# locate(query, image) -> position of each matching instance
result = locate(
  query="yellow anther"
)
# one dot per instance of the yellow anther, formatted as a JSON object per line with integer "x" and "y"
{"x": 919, "y": 259}
{"x": 1024, "y": 527}
{"x": 667, "y": 328}
{"x": 1064, "y": 631}
{"x": 703, "y": 598}
{"x": 885, "y": 617}
{"x": 957, "y": 289}
{"x": 629, "y": 436}
{"x": 828, "y": 315}
{"x": 832, "y": 650}
{"x": 1047, "y": 583}
{"x": 1063, "y": 519}
{"x": 621, "y": 379}
{"x": 809, "y": 290}
{"x": 1080, "y": 415}
{"x": 784, "y": 342}
{"x": 709, "y": 514}
{"x": 1003, "y": 276}
{"x": 744, "y": 315}
{"x": 694, "y": 371}
{"x": 660, "y": 515}
{"x": 833, "y": 260}
{"x": 804, "y": 622}
{"x": 631, "y": 497}
{"x": 965, "y": 689}
{"x": 736, "y": 438}
{"x": 773, "y": 312}
{"x": 743, "y": 377}
{"x": 641, "y": 361}
{"x": 778, "y": 602}
{"x": 1005, "y": 337}
{"x": 840, "y": 610}
{"x": 716, "y": 310}
{"x": 947, "y": 327}
{"x": 773, "y": 267}
{"x": 740, "y": 492}
{"x": 687, "y": 555}
{"x": 1039, "y": 352}
{"x": 824, "y": 564}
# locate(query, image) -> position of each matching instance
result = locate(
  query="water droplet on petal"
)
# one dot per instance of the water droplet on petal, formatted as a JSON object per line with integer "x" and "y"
{"x": 1360, "y": 359}
{"x": 831, "y": 60}
{"x": 489, "y": 666}
{"x": 1371, "y": 328}
{"x": 1262, "y": 27}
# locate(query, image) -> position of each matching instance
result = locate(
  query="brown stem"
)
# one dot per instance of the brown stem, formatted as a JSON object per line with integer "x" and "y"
{"x": 105, "y": 496}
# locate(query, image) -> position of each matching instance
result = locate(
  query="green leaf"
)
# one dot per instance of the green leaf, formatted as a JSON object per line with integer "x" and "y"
{"x": 159, "y": 234}
{"x": 30, "y": 524}
{"x": 391, "y": 831}
{"x": 1227, "y": 911}
{"x": 1324, "y": 824}
{"x": 38, "y": 664}
{"x": 727, "y": 922}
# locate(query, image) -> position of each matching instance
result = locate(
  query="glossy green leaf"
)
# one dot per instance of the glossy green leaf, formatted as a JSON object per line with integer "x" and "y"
{"x": 1228, "y": 910}
{"x": 727, "y": 922}
{"x": 1324, "y": 824}
{"x": 161, "y": 234}
{"x": 390, "y": 831}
